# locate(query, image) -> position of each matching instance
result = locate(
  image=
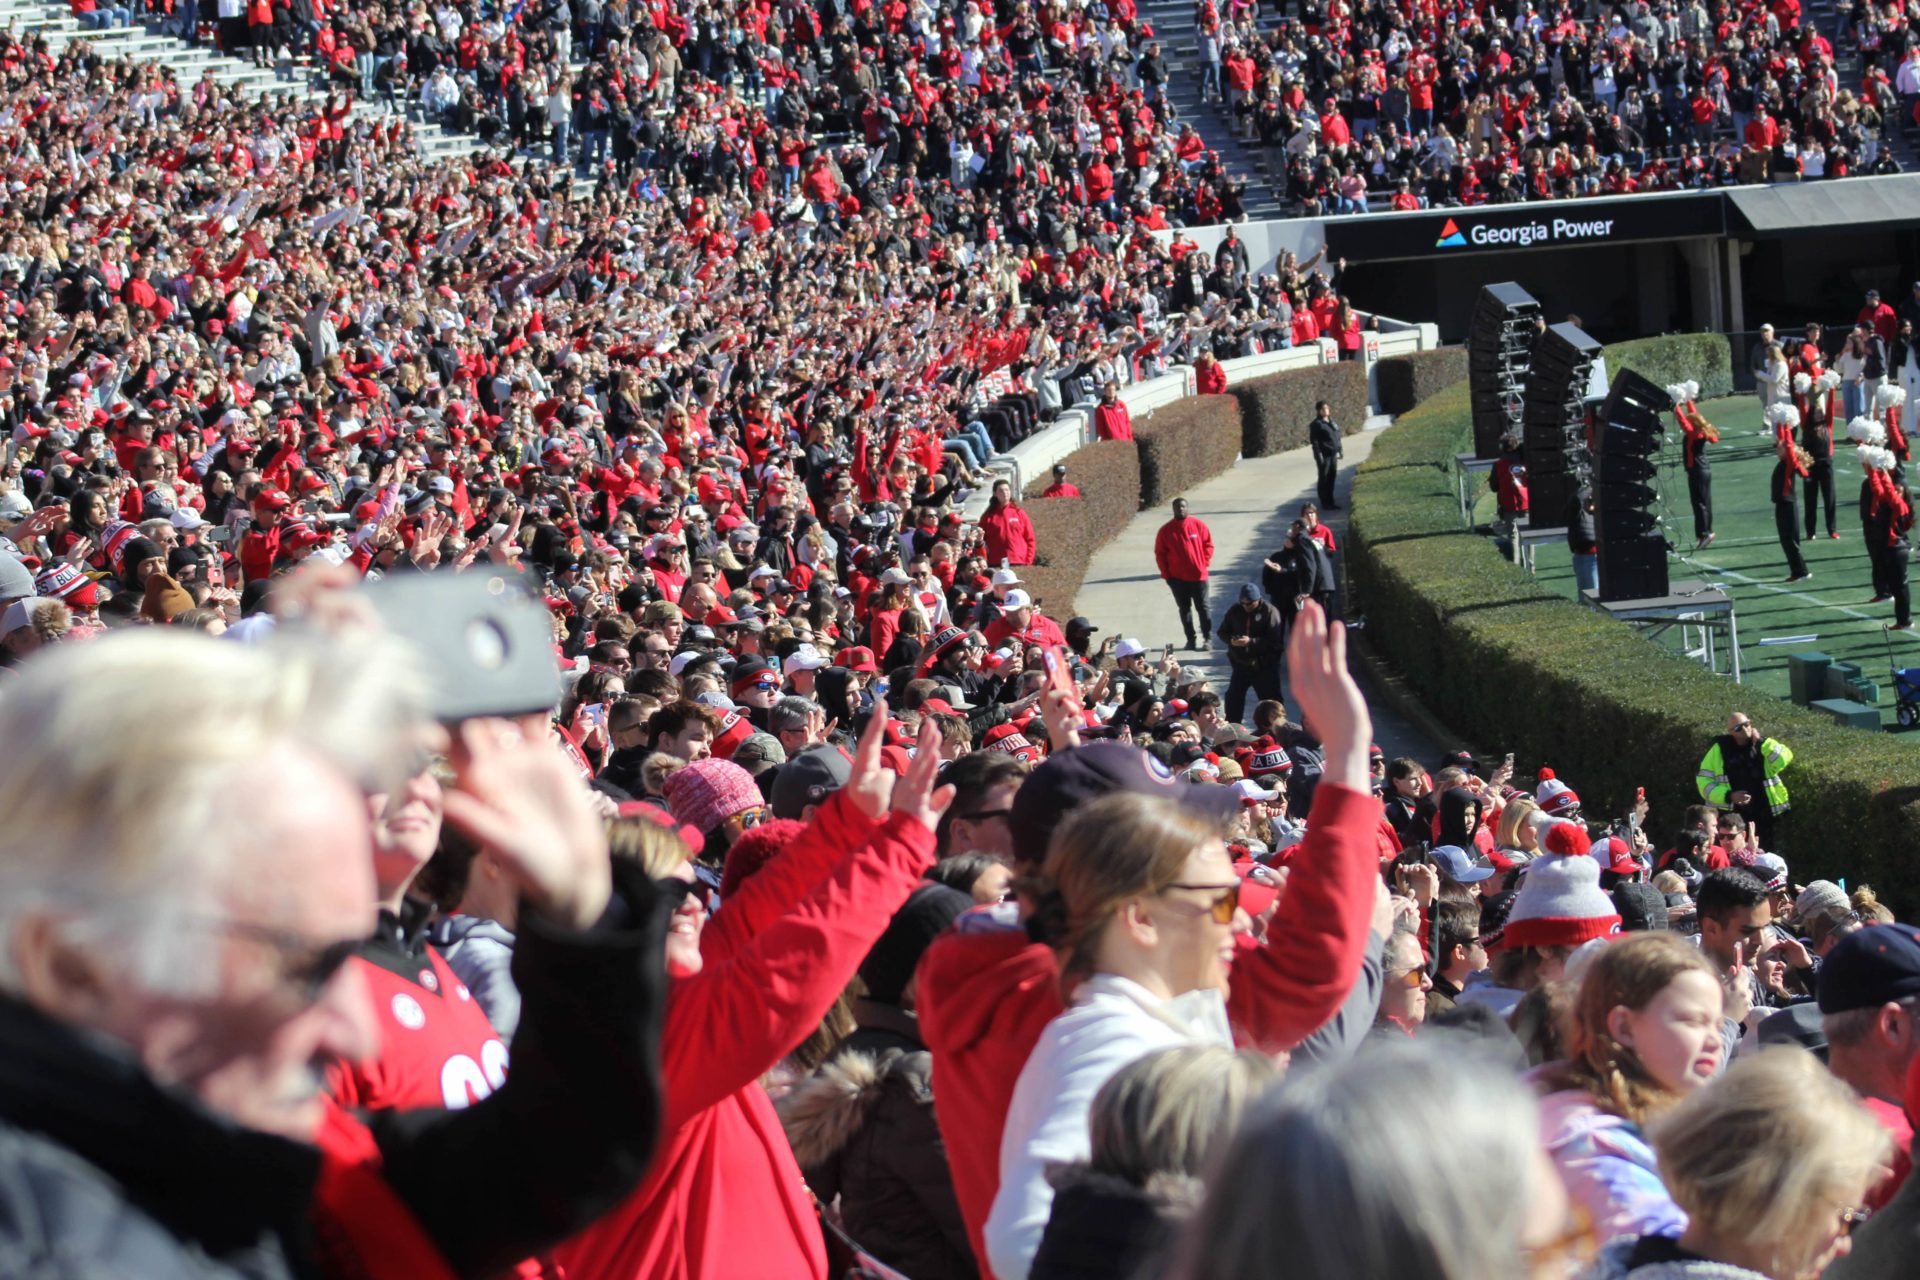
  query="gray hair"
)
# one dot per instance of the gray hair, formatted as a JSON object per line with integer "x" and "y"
{"x": 1411, "y": 1161}
{"x": 792, "y": 712}
{"x": 118, "y": 766}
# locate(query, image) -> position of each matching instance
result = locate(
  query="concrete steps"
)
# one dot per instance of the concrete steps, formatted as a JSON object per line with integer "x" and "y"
{"x": 1174, "y": 28}
{"x": 290, "y": 80}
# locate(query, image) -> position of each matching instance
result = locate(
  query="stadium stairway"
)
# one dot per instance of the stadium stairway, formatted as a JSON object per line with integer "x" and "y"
{"x": 1173, "y": 26}
{"x": 54, "y": 20}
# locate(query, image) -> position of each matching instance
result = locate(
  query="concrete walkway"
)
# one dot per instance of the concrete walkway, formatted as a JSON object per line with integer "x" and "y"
{"x": 1249, "y": 510}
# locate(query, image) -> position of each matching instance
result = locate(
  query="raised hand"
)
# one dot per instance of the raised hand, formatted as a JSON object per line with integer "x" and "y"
{"x": 520, "y": 799}
{"x": 870, "y": 785}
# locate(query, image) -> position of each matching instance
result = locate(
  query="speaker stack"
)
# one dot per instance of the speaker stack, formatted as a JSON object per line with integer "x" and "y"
{"x": 1632, "y": 545}
{"x": 1554, "y": 437}
{"x": 1498, "y": 340}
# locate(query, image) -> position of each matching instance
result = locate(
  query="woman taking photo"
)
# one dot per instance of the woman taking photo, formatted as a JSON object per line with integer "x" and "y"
{"x": 1770, "y": 1165}
{"x": 1144, "y": 927}
{"x": 1645, "y": 1032}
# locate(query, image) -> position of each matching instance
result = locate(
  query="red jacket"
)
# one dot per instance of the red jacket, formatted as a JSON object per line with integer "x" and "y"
{"x": 1009, "y": 535}
{"x": 1210, "y": 379}
{"x": 1112, "y": 422}
{"x": 1183, "y": 549}
{"x": 724, "y": 1196}
{"x": 986, "y": 992}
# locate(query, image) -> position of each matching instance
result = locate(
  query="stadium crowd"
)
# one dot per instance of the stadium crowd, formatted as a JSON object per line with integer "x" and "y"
{"x": 849, "y": 913}
{"x": 1436, "y": 105}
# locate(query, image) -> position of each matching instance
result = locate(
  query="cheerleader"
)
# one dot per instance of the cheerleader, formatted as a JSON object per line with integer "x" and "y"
{"x": 1889, "y": 402}
{"x": 1787, "y": 473}
{"x": 1888, "y": 524}
{"x": 1813, "y": 397}
{"x": 1868, "y": 436}
{"x": 1699, "y": 433}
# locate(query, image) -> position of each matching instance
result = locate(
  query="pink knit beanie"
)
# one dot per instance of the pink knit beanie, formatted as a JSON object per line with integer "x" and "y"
{"x": 708, "y": 792}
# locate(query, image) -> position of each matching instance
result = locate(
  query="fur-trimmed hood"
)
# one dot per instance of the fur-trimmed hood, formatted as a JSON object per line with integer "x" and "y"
{"x": 824, "y": 1112}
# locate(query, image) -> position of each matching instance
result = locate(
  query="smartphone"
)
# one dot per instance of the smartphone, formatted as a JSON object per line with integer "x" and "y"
{"x": 1509, "y": 760}
{"x": 484, "y": 643}
{"x": 594, "y": 713}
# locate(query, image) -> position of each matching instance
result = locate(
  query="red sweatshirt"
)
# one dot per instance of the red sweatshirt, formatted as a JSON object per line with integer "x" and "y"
{"x": 724, "y": 1196}
{"x": 986, "y": 993}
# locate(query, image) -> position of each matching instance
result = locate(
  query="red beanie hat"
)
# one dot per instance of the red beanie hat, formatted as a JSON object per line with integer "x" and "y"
{"x": 708, "y": 792}
{"x": 754, "y": 849}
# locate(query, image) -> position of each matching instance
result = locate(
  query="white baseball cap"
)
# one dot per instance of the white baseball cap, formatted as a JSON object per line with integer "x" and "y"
{"x": 1250, "y": 792}
{"x": 1017, "y": 600}
{"x": 806, "y": 658}
{"x": 895, "y": 575}
{"x": 186, "y": 519}
{"x": 1005, "y": 578}
{"x": 1127, "y": 647}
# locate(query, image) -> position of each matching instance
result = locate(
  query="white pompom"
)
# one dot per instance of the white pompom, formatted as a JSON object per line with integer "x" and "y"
{"x": 1829, "y": 380}
{"x": 1802, "y": 383}
{"x": 1678, "y": 393}
{"x": 1782, "y": 415}
{"x": 1865, "y": 430}
{"x": 1693, "y": 389}
{"x": 1888, "y": 396}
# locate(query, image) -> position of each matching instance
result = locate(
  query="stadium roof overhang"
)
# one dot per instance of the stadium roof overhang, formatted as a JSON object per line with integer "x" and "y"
{"x": 1798, "y": 208}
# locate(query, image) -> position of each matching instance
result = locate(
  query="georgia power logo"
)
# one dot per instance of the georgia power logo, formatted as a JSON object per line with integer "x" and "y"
{"x": 1524, "y": 235}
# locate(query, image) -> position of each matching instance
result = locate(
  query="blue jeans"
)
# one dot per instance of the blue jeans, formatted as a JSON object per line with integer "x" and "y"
{"x": 1341, "y": 204}
{"x": 1210, "y": 79}
{"x": 1853, "y": 399}
{"x": 1586, "y": 570}
{"x": 975, "y": 434}
{"x": 962, "y": 448}
{"x": 561, "y": 130}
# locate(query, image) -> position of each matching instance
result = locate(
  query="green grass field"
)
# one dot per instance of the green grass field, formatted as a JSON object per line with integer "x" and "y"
{"x": 1830, "y": 610}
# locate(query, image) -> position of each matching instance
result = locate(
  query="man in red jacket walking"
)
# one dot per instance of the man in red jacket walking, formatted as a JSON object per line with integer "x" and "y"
{"x": 1183, "y": 551}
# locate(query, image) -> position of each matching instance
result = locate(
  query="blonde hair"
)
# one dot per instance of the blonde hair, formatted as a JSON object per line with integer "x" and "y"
{"x": 656, "y": 847}
{"x": 1866, "y": 904}
{"x": 119, "y": 762}
{"x": 1166, "y": 1113}
{"x": 1518, "y": 810}
{"x": 1670, "y": 882}
{"x": 1628, "y": 974}
{"x": 1107, "y": 851}
{"x": 1768, "y": 1152}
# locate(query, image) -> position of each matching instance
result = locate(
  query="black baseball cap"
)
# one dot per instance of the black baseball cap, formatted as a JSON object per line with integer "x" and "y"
{"x": 1069, "y": 779}
{"x": 808, "y": 778}
{"x": 1871, "y": 967}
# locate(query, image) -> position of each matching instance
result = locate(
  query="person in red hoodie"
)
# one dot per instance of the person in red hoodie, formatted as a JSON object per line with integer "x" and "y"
{"x": 724, "y": 1197}
{"x": 1183, "y": 551}
{"x": 1111, "y": 419}
{"x": 1007, "y": 528}
{"x": 986, "y": 989}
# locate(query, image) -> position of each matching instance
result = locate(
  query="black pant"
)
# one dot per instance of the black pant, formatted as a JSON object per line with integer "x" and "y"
{"x": 1328, "y": 468}
{"x": 1880, "y": 562}
{"x": 1759, "y": 816}
{"x": 1191, "y": 596}
{"x": 1820, "y": 478}
{"x": 1789, "y": 531}
{"x": 1700, "y": 493}
{"x": 1262, "y": 681}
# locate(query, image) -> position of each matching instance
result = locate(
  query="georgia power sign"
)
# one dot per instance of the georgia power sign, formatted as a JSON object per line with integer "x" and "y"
{"x": 1504, "y": 228}
{"x": 1524, "y": 235}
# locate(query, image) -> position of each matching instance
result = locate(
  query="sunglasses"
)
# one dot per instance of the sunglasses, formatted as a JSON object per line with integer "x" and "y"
{"x": 1852, "y": 1220}
{"x": 748, "y": 819}
{"x": 1222, "y": 907}
{"x": 1410, "y": 979}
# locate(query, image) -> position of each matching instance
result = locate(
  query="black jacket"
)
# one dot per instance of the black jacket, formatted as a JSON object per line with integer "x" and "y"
{"x": 106, "y": 1172}
{"x": 862, "y": 1129}
{"x": 1105, "y": 1228}
{"x": 1261, "y": 623}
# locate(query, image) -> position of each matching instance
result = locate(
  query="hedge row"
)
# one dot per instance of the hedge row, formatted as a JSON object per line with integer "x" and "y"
{"x": 1405, "y": 381}
{"x": 1068, "y": 531}
{"x": 1704, "y": 358}
{"x": 1517, "y": 668}
{"x": 1184, "y": 443}
{"x": 1277, "y": 408}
